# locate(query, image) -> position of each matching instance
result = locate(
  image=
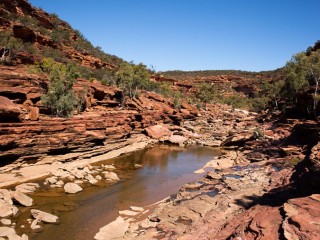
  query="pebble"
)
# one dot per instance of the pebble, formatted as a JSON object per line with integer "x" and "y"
{"x": 5, "y": 221}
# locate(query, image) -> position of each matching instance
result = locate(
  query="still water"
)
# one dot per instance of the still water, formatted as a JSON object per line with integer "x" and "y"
{"x": 164, "y": 169}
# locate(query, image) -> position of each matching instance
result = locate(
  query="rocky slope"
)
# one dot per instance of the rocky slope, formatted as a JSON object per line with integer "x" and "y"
{"x": 47, "y": 34}
{"x": 229, "y": 82}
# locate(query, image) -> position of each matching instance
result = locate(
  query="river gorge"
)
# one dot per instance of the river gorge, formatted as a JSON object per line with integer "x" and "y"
{"x": 146, "y": 176}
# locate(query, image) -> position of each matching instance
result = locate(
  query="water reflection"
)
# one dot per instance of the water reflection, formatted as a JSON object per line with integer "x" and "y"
{"x": 164, "y": 169}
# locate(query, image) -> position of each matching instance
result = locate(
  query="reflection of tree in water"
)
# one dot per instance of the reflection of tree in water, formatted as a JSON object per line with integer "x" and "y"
{"x": 161, "y": 165}
{"x": 157, "y": 157}
{"x": 142, "y": 182}
{"x": 200, "y": 152}
{"x": 132, "y": 188}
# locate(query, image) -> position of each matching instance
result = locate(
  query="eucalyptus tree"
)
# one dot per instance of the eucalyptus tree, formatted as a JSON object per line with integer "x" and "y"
{"x": 302, "y": 73}
{"x": 132, "y": 78}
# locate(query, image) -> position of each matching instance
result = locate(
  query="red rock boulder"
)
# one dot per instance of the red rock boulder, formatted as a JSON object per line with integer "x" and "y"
{"x": 158, "y": 132}
{"x": 34, "y": 113}
{"x": 8, "y": 109}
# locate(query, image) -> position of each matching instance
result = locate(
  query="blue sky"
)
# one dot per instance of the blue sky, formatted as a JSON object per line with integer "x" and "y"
{"x": 249, "y": 35}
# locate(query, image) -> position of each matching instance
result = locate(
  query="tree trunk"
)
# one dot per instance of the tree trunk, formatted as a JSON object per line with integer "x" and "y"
{"x": 315, "y": 99}
{"x": 3, "y": 56}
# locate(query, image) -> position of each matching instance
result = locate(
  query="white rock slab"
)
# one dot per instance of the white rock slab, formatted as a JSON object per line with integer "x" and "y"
{"x": 24, "y": 237}
{"x": 6, "y": 231}
{"x": 72, "y": 188}
{"x": 6, "y": 195}
{"x": 60, "y": 183}
{"x": 27, "y": 187}
{"x": 109, "y": 167}
{"x": 44, "y": 217}
{"x": 14, "y": 236}
{"x": 113, "y": 230}
{"x": 34, "y": 225}
{"x": 128, "y": 213}
{"x": 177, "y": 139}
{"x": 60, "y": 173}
{"x": 7, "y": 210}
{"x": 137, "y": 209}
{"x": 22, "y": 198}
{"x": 98, "y": 177}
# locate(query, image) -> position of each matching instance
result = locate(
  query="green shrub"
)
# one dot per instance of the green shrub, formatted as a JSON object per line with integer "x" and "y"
{"x": 60, "y": 97}
{"x": 259, "y": 103}
{"x": 55, "y": 54}
{"x": 61, "y": 35}
{"x": 132, "y": 78}
{"x": 207, "y": 92}
{"x": 177, "y": 99}
{"x": 236, "y": 101}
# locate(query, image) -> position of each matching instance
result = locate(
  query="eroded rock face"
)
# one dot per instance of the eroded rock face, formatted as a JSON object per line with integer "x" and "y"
{"x": 103, "y": 119}
{"x": 315, "y": 158}
{"x": 24, "y": 33}
{"x": 302, "y": 218}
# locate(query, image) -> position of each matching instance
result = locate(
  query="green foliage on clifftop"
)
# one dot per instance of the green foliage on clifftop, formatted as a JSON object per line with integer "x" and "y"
{"x": 302, "y": 81}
